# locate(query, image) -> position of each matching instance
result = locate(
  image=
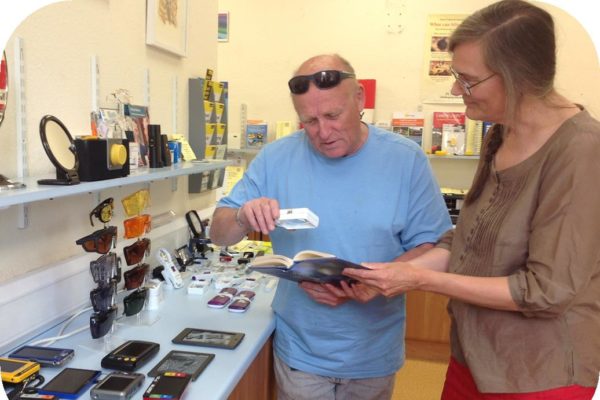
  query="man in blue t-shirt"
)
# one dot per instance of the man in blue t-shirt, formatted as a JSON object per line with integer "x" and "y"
{"x": 376, "y": 200}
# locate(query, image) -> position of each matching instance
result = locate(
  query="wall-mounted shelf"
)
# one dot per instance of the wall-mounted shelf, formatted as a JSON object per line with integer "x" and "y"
{"x": 252, "y": 152}
{"x": 451, "y": 157}
{"x": 34, "y": 192}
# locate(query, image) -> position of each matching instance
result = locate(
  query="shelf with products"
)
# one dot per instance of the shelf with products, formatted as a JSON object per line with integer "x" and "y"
{"x": 451, "y": 157}
{"x": 208, "y": 111}
{"x": 33, "y": 192}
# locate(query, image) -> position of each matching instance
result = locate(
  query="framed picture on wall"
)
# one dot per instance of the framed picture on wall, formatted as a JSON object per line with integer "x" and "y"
{"x": 166, "y": 25}
{"x": 223, "y": 27}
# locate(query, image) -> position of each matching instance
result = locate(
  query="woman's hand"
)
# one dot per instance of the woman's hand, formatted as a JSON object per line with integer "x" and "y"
{"x": 389, "y": 279}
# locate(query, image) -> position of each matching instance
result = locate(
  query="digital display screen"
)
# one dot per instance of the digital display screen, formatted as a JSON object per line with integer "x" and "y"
{"x": 134, "y": 349}
{"x": 10, "y": 366}
{"x": 70, "y": 380}
{"x": 220, "y": 338}
{"x": 116, "y": 383}
{"x": 170, "y": 386}
{"x": 183, "y": 361}
{"x": 38, "y": 352}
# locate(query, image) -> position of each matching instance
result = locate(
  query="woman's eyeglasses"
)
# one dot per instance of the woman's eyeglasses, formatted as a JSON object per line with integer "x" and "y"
{"x": 322, "y": 79}
{"x": 134, "y": 278}
{"x": 134, "y": 302}
{"x": 137, "y": 226}
{"x": 466, "y": 86}
{"x": 106, "y": 269}
{"x": 136, "y": 252}
{"x": 100, "y": 241}
{"x": 103, "y": 211}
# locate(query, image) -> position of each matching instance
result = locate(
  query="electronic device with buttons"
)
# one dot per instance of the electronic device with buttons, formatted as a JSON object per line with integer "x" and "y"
{"x": 130, "y": 356}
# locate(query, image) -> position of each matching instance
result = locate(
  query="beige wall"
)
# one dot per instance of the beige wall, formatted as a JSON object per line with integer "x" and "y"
{"x": 59, "y": 41}
{"x": 269, "y": 39}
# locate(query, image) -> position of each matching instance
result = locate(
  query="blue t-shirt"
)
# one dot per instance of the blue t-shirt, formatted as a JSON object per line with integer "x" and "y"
{"x": 373, "y": 206}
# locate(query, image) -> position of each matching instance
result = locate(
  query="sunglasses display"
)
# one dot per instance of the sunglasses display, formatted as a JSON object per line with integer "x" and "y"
{"x": 102, "y": 322}
{"x": 136, "y": 203}
{"x": 322, "y": 79}
{"x": 103, "y": 297}
{"x": 135, "y": 253}
{"x": 134, "y": 278}
{"x": 103, "y": 211}
{"x": 134, "y": 302}
{"x": 137, "y": 226}
{"x": 101, "y": 241}
{"x": 106, "y": 269}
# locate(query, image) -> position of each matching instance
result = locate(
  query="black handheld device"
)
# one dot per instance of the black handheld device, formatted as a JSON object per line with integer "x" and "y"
{"x": 44, "y": 355}
{"x": 70, "y": 383}
{"x": 130, "y": 355}
{"x": 168, "y": 385}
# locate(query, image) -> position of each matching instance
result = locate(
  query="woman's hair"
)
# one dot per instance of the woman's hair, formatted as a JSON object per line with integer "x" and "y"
{"x": 518, "y": 43}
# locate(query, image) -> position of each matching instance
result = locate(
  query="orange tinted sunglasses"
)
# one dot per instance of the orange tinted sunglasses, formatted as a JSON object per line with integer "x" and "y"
{"x": 100, "y": 241}
{"x": 137, "y": 226}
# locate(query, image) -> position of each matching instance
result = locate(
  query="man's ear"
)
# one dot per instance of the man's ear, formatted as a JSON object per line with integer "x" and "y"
{"x": 360, "y": 96}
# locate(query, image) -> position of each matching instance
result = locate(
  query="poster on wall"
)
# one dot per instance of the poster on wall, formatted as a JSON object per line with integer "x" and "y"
{"x": 437, "y": 78}
{"x": 166, "y": 25}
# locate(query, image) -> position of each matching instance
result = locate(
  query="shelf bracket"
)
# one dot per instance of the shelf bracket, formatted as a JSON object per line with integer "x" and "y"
{"x": 21, "y": 114}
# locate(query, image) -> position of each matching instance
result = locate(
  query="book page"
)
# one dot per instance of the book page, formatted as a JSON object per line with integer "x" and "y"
{"x": 309, "y": 254}
{"x": 272, "y": 260}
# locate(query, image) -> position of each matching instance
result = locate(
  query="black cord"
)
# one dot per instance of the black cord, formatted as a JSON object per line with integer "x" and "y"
{"x": 29, "y": 386}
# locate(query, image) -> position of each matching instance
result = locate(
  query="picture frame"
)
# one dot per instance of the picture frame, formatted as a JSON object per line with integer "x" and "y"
{"x": 209, "y": 338}
{"x": 166, "y": 25}
{"x": 223, "y": 27}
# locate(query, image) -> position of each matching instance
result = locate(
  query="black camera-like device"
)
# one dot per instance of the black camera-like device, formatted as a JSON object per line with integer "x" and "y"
{"x": 101, "y": 159}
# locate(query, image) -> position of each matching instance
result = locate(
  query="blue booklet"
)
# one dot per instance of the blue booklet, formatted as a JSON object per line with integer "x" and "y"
{"x": 307, "y": 265}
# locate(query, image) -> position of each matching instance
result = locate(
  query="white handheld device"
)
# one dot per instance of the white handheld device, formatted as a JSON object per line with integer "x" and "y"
{"x": 170, "y": 272}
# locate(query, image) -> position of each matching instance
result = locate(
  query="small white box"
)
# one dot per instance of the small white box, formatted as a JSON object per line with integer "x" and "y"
{"x": 297, "y": 218}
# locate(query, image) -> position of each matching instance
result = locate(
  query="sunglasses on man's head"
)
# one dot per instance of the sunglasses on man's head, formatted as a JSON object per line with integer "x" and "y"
{"x": 100, "y": 241}
{"x": 102, "y": 322}
{"x": 103, "y": 211}
{"x": 322, "y": 79}
{"x": 106, "y": 268}
{"x": 136, "y": 252}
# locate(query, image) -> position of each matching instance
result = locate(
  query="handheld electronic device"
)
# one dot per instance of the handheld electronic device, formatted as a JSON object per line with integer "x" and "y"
{"x": 209, "y": 338}
{"x": 222, "y": 298}
{"x": 70, "y": 383}
{"x": 183, "y": 361}
{"x": 168, "y": 385}
{"x": 130, "y": 355}
{"x": 44, "y": 355}
{"x": 16, "y": 371}
{"x": 117, "y": 386}
{"x": 36, "y": 396}
{"x": 170, "y": 272}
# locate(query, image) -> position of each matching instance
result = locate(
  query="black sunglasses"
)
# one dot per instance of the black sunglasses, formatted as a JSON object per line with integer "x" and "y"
{"x": 102, "y": 322}
{"x": 103, "y": 297}
{"x": 134, "y": 302}
{"x": 103, "y": 211}
{"x": 322, "y": 79}
{"x": 100, "y": 241}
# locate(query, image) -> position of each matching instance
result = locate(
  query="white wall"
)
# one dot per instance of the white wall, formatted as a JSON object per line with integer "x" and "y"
{"x": 58, "y": 43}
{"x": 269, "y": 39}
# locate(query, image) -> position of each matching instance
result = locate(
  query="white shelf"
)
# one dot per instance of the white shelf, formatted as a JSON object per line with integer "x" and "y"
{"x": 34, "y": 192}
{"x": 243, "y": 151}
{"x": 452, "y": 157}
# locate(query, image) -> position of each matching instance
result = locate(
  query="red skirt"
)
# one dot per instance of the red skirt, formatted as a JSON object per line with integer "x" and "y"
{"x": 459, "y": 385}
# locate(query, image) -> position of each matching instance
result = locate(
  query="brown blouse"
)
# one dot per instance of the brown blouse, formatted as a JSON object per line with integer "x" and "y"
{"x": 538, "y": 223}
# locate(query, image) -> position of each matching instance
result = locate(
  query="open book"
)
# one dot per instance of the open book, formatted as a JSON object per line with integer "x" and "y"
{"x": 307, "y": 265}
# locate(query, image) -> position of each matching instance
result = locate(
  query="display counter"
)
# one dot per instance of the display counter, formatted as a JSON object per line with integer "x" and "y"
{"x": 242, "y": 373}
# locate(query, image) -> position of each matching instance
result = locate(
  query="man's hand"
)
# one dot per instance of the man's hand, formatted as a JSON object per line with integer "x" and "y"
{"x": 259, "y": 214}
{"x": 324, "y": 293}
